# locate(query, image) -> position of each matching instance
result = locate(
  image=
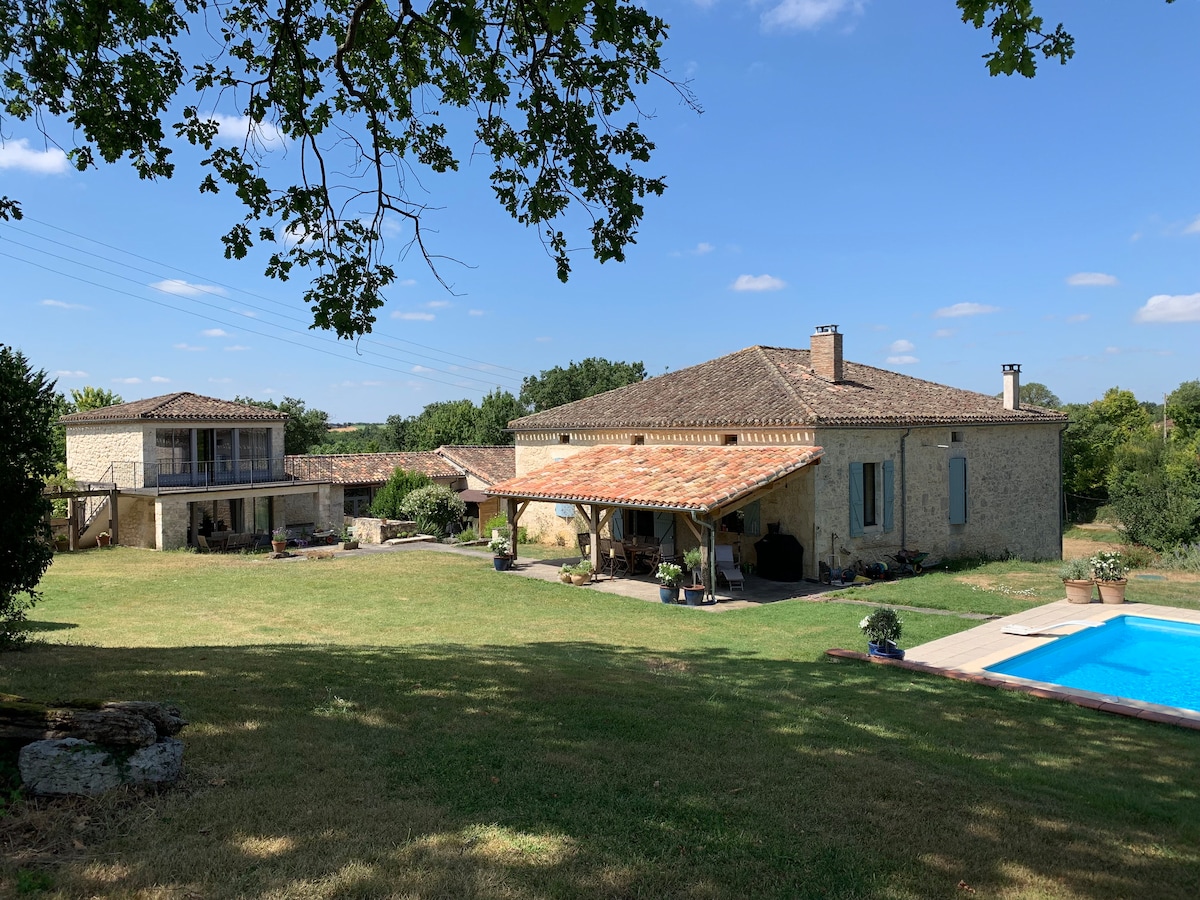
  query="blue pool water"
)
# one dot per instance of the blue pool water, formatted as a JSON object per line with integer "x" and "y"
{"x": 1152, "y": 660}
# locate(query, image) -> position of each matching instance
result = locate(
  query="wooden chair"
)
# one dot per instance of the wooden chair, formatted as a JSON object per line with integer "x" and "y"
{"x": 585, "y": 545}
{"x": 202, "y": 544}
{"x": 617, "y": 563}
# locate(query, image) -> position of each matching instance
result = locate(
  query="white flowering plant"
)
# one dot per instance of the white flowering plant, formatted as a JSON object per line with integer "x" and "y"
{"x": 1108, "y": 566}
{"x": 882, "y": 625}
{"x": 669, "y": 574}
{"x": 500, "y": 546}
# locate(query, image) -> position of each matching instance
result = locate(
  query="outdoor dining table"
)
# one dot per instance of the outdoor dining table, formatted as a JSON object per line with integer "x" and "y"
{"x": 640, "y": 554}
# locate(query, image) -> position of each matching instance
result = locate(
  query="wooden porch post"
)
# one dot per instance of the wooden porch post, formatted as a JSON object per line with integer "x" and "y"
{"x": 594, "y": 528}
{"x": 112, "y": 507}
{"x": 510, "y": 512}
{"x": 72, "y": 523}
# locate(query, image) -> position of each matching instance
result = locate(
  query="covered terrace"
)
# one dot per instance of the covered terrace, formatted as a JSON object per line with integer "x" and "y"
{"x": 698, "y": 485}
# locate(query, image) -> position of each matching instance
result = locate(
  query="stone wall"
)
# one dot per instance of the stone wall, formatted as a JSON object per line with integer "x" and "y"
{"x": 91, "y": 449}
{"x": 376, "y": 531}
{"x": 136, "y": 521}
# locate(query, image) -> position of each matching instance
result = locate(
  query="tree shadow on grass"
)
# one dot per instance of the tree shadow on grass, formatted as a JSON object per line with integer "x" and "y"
{"x": 582, "y": 769}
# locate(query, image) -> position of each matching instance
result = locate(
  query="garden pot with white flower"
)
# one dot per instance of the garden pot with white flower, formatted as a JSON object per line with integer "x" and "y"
{"x": 1110, "y": 571}
{"x": 669, "y": 576}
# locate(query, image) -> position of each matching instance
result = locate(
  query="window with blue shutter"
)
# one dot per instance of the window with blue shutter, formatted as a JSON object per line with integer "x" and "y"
{"x": 856, "y": 499}
{"x": 889, "y": 495}
{"x": 958, "y": 491}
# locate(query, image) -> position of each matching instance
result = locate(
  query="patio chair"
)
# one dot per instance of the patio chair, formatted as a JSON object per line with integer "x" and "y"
{"x": 616, "y": 562}
{"x": 585, "y": 544}
{"x": 728, "y": 569}
{"x": 665, "y": 554}
{"x": 202, "y": 544}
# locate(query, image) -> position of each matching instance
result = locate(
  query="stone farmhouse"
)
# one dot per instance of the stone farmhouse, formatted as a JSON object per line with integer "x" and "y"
{"x": 182, "y": 465}
{"x": 852, "y": 461}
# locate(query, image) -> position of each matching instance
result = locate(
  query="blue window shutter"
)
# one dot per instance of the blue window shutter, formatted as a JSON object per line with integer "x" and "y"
{"x": 564, "y": 510}
{"x": 618, "y": 525}
{"x": 856, "y": 499}
{"x": 958, "y": 490}
{"x": 752, "y": 518}
{"x": 889, "y": 495}
{"x": 664, "y": 525}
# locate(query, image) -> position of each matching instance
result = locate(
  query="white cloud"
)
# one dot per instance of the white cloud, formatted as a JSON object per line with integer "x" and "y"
{"x": 408, "y": 282}
{"x": 71, "y": 373}
{"x": 60, "y": 304}
{"x": 758, "y": 283}
{"x": 1091, "y": 279}
{"x": 475, "y": 312}
{"x": 901, "y": 346}
{"x": 372, "y": 384}
{"x": 128, "y": 380}
{"x": 159, "y": 379}
{"x": 17, "y": 155}
{"x": 188, "y": 348}
{"x": 1194, "y": 228}
{"x": 438, "y": 304}
{"x": 215, "y": 332}
{"x": 944, "y": 333}
{"x": 418, "y": 369}
{"x": 414, "y": 316}
{"x": 902, "y": 360}
{"x": 234, "y": 130}
{"x": 1079, "y": 317}
{"x": 1170, "y": 308}
{"x": 181, "y": 288}
{"x": 964, "y": 309}
{"x": 808, "y": 14}
{"x": 1112, "y": 351}
{"x": 236, "y": 348}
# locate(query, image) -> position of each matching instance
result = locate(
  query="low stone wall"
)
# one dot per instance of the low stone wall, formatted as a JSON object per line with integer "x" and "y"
{"x": 376, "y": 531}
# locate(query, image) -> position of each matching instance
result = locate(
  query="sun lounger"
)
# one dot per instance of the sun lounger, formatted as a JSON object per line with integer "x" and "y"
{"x": 1037, "y": 631}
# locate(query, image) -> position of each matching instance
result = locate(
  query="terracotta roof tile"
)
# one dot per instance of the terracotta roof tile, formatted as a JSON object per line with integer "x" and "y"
{"x": 488, "y": 464}
{"x": 374, "y": 468}
{"x": 776, "y": 387}
{"x": 687, "y": 478}
{"x": 176, "y": 407}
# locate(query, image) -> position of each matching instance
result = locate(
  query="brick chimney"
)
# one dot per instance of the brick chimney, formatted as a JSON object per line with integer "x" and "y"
{"x": 1012, "y": 385}
{"x": 825, "y": 353}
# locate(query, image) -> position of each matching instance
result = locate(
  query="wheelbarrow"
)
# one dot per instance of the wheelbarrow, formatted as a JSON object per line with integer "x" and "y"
{"x": 909, "y": 561}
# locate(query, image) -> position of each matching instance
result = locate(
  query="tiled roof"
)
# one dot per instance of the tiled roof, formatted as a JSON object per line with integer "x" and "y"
{"x": 687, "y": 478}
{"x": 374, "y": 468}
{"x": 488, "y": 464}
{"x": 176, "y": 407}
{"x": 776, "y": 387}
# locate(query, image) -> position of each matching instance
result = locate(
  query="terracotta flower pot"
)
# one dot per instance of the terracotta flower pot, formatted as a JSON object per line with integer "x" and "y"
{"x": 581, "y": 580}
{"x": 279, "y": 546}
{"x": 1112, "y": 591}
{"x": 1078, "y": 591}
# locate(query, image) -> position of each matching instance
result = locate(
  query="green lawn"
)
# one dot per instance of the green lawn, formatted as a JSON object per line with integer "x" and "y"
{"x": 416, "y": 725}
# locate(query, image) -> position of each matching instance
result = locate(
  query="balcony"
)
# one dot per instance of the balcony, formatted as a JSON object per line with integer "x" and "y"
{"x": 216, "y": 474}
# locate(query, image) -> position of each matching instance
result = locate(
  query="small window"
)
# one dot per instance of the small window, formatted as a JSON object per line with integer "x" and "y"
{"x": 956, "y": 437}
{"x": 638, "y": 440}
{"x": 730, "y": 440}
{"x": 868, "y": 494}
{"x": 564, "y": 439}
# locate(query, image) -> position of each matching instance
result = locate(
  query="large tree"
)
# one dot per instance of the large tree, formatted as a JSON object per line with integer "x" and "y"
{"x": 351, "y": 101}
{"x": 1034, "y": 393}
{"x": 28, "y": 404}
{"x": 554, "y": 387}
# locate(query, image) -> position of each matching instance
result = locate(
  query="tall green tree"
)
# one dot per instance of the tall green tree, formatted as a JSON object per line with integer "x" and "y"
{"x": 1183, "y": 408}
{"x": 1090, "y": 443}
{"x": 28, "y": 404}
{"x": 1034, "y": 393}
{"x": 447, "y": 422}
{"x": 305, "y": 428}
{"x": 554, "y": 387}
{"x": 1155, "y": 491}
{"x": 496, "y": 410}
{"x": 389, "y": 498}
{"x": 365, "y": 97}
{"x": 89, "y": 398}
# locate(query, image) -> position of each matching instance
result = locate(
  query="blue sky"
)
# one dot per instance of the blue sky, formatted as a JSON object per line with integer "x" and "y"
{"x": 854, "y": 164}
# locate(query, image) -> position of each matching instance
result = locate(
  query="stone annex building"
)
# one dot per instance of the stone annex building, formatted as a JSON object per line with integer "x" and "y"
{"x": 852, "y": 460}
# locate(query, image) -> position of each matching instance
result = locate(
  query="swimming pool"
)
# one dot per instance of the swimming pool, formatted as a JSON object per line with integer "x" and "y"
{"x": 1138, "y": 658}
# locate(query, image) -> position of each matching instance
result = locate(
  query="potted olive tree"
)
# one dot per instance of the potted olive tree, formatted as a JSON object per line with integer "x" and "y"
{"x": 882, "y": 627}
{"x": 1110, "y": 570}
{"x": 1076, "y": 576}
{"x": 694, "y": 593}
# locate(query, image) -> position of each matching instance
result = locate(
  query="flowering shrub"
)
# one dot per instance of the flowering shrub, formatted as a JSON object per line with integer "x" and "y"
{"x": 669, "y": 574}
{"x": 1108, "y": 566}
{"x": 882, "y": 625}
{"x": 500, "y": 546}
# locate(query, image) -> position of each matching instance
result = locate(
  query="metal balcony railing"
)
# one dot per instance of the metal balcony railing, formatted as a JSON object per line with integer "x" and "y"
{"x": 212, "y": 474}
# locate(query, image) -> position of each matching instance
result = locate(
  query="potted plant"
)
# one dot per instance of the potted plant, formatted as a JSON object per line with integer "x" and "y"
{"x": 882, "y": 626}
{"x": 669, "y": 575}
{"x": 501, "y": 553}
{"x": 346, "y": 540}
{"x": 1076, "y": 576}
{"x": 279, "y": 540}
{"x": 103, "y": 538}
{"x": 692, "y": 561}
{"x": 564, "y": 573}
{"x": 1109, "y": 570}
{"x": 61, "y": 542}
{"x": 581, "y": 572}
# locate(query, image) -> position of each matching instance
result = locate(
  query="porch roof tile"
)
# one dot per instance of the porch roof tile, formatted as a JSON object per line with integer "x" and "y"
{"x": 683, "y": 478}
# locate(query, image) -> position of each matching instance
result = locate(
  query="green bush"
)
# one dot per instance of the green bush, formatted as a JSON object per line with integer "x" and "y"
{"x": 1185, "y": 557}
{"x": 433, "y": 508}
{"x": 497, "y": 521}
{"x": 388, "y": 502}
{"x": 467, "y": 535}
